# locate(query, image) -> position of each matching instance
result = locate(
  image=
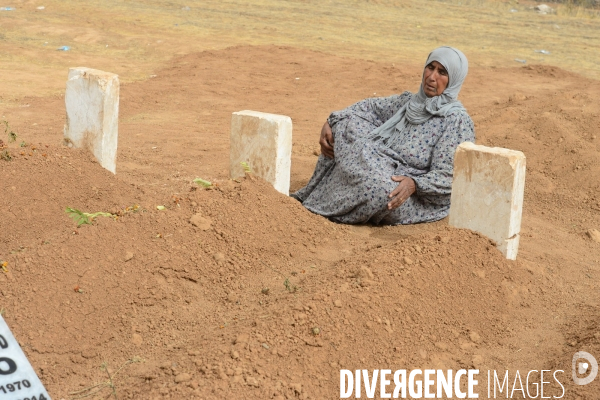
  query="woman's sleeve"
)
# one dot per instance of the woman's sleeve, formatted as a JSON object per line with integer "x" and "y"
{"x": 376, "y": 109}
{"x": 438, "y": 181}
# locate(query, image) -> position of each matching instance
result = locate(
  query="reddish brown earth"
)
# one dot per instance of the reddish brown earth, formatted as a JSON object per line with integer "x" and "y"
{"x": 264, "y": 299}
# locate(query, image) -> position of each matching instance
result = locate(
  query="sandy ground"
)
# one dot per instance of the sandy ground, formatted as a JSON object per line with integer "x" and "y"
{"x": 264, "y": 299}
{"x": 135, "y": 38}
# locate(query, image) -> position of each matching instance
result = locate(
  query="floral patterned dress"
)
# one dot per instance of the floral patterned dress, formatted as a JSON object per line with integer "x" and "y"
{"x": 353, "y": 187}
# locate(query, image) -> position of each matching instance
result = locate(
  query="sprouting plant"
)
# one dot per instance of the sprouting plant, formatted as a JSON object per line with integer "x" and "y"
{"x": 289, "y": 286}
{"x": 5, "y": 155}
{"x": 83, "y": 218}
{"x": 23, "y": 144}
{"x": 246, "y": 167}
{"x": 12, "y": 136}
{"x": 202, "y": 182}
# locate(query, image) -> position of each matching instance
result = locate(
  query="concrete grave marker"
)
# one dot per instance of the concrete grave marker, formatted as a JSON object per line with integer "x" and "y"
{"x": 92, "y": 103}
{"x": 264, "y": 141}
{"x": 487, "y": 194}
{"x": 18, "y": 379}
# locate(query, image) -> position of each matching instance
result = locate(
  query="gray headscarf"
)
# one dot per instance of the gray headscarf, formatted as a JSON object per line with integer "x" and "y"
{"x": 420, "y": 107}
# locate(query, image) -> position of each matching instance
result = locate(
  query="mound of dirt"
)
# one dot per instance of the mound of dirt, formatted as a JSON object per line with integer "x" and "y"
{"x": 558, "y": 132}
{"x": 235, "y": 289}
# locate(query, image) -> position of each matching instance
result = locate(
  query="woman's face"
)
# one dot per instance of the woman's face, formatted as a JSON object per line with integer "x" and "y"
{"x": 435, "y": 79}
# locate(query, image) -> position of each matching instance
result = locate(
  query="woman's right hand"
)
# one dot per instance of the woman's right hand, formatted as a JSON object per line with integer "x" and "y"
{"x": 326, "y": 141}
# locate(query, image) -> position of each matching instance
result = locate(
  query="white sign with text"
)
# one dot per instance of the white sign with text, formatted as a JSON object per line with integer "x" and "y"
{"x": 18, "y": 380}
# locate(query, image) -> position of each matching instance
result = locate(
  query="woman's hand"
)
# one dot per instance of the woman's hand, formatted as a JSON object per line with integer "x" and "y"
{"x": 326, "y": 141}
{"x": 405, "y": 189}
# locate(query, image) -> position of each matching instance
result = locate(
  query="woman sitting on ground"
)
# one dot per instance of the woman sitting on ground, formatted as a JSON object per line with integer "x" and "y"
{"x": 389, "y": 160}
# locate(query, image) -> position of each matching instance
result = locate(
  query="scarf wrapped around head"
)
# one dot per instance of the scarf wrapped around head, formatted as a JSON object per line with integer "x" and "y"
{"x": 420, "y": 107}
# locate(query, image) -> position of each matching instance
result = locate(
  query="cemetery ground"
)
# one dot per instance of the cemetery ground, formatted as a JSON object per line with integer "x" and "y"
{"x": 236, "y": 291}
{"x": 230, "y": 307}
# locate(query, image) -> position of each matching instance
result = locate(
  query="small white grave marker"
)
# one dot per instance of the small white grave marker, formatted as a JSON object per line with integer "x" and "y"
{"x": 18, "y": 380}
{"x": 264, "y": 142}
{"x": 92, "y": 103}
{"x": 487, "y": 194}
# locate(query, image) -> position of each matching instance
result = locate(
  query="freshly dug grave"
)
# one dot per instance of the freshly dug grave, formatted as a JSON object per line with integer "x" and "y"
{"x": 234, "y": 289}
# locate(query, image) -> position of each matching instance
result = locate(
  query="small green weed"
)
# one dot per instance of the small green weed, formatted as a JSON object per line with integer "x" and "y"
{"x": 83, "y": 218}
{"x": 12, "y": 136}
{"x": 202, "y": 182}
{"x": 289, "y": 286}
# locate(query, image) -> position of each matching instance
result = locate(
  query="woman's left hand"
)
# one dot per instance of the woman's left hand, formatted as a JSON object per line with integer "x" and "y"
{"x": 405, "y": 189}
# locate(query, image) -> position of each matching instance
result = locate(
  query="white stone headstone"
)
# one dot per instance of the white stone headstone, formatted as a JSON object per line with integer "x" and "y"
{"x": 264, "y": 142}
{"x": 18, "y": 379}
{"x": 92, "y": 103}
{"x": 487, "y": 194}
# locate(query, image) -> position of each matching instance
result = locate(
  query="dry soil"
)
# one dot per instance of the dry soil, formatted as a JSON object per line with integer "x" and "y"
{"x": 237, "y": 291}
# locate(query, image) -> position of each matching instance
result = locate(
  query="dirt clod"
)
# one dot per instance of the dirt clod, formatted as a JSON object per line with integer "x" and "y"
{"x": 242, "y": 339}
{"x": 474, "y": 336}
{"x": 128, "y": 256}
{"x": 201, "y": 222}
{"x": 182, "y": 377}
{"x": 136, "y": 339}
